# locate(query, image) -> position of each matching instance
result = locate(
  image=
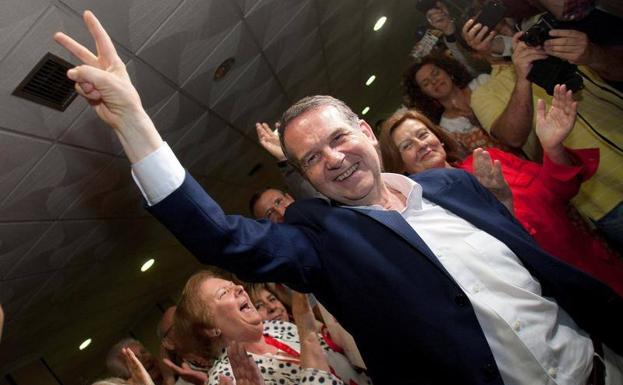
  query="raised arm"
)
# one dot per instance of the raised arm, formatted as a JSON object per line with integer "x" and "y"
{"x": 103, "y": 80}
{"x": 250, "y": 249}
{"x": 554, "y": 126}
{"x": 514, "y": 124}
{"x": 297, "y": 184}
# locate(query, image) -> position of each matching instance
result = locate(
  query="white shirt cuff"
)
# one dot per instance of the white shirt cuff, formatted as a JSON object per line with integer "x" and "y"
{"x": 158, "y": 174}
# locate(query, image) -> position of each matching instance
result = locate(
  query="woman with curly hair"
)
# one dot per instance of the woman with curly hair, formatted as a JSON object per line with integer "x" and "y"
{"x": 441, "y": 88}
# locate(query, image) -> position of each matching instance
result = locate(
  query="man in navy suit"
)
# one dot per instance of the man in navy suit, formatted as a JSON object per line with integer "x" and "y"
{"x": 432, "y": 275}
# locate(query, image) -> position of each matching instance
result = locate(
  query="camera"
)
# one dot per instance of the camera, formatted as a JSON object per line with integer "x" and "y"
{"x": 424, "y": 5}
{"x": 536, "y": 35}
{"x": 548, "y": 72}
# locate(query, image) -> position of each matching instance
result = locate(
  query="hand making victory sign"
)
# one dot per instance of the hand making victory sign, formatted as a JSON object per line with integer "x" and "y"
{"x": 103, "y": 80}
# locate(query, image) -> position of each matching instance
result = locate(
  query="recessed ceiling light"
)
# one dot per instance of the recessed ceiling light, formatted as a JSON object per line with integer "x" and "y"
{"x": 379, "y": 23}
{"x": 223, "y": 69}
{"x": 147, "y": 265}
{"x": 365, "y": 110}
{"x": 84, "y": 345}
{"x": 370, "y": 80}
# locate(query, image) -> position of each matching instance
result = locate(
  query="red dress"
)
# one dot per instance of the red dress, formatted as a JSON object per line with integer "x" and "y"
{"x": 541, "y": 195}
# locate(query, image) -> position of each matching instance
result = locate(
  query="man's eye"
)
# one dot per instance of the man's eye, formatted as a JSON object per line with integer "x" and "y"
{"x": 259, "y": 305}
{"x": 310, "y": 161}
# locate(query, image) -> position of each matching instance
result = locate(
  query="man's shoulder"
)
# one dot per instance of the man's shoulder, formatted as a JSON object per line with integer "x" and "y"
{"x": 440, "y": 177}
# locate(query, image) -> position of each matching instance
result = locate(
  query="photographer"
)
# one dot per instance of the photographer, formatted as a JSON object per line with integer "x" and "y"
{"x": 438, "y": 17}
{"x": 504, "y": 107}
{"x": 595, "y": 41}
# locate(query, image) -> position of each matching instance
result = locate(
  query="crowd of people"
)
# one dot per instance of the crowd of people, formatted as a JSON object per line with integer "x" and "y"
{"x": 477, "y": 240}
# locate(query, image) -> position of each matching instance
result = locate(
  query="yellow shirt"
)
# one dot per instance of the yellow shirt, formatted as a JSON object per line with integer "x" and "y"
{"x": 598, "y": 103}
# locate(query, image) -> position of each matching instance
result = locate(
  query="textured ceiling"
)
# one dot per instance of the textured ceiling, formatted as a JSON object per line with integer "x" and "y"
{"x": 72, "y": 229}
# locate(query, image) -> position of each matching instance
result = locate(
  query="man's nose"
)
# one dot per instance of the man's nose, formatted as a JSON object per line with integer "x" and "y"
{"x": 334, "y": 158}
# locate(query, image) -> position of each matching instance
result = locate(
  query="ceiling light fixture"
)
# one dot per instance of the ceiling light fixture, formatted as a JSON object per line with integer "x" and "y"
{"x": 365, "y": 110}
{"x": 370, "y": 80}
{"x": 147, "y": 265}
{"x": 84, "y": 345}
{"x": 379, "y": 23}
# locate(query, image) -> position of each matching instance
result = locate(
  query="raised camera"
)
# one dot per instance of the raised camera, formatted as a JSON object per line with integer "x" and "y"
{"x": 536, "y": 35}
{"x": 548, "y": 72}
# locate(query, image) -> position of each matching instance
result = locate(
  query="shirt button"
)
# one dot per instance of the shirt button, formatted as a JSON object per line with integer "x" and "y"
{"x": 517, "y": 326}
{"x": 552, "y": 372}
{"x": 461, "y": 300}
{"x": 476, "y": 288}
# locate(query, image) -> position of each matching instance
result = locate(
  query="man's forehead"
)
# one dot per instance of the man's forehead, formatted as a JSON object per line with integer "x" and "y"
{"x": 312, "y": 125}
{"x": 323, "y": 115}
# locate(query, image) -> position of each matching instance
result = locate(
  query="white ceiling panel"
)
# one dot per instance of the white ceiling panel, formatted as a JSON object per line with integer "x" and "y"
{"x": 18, "y": 154}
{"x": 269, "y": 17}
{"x": 54, "y": 183}
{"x": 24, "y": 116}
{"x": 189, "y": 36}
{"x": 239, "y": 45}
{"x": 129, "y": 22}
{"x": 17, "y": 239}
{"x": 16, "y": 20}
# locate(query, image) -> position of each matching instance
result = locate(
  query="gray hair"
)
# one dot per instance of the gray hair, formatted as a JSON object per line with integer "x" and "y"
{"x": 309, "y": 103}
{"x": 114, "y": 361}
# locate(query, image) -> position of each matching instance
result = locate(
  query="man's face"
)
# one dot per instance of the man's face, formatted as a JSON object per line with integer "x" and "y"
{"x": 148, "y": 361}
{"x": 272, "y": 205}
{"x": 269, "y": 306}
{"x": 339, "y": 160}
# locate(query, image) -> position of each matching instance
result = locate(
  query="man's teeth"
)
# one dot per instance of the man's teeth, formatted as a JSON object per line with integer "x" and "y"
{"x": 348, "y": 172}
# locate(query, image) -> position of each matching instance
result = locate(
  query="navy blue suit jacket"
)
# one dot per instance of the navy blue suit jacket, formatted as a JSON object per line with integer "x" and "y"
{"x": 412, "y": 322}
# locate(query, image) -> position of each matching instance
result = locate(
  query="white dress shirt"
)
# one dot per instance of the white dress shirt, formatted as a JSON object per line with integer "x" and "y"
{"x": 533, "y": 340}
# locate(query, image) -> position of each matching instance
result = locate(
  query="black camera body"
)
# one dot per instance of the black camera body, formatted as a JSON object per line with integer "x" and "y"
{"x": 424, "y": 5}
{"x": 548, "y": 72}
{"x": 536, "y": 35}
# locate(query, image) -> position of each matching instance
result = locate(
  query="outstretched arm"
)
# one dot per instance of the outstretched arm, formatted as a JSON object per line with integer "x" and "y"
{"x": 103, "y": 80}
{"x": 513, "y": 126}
{"x": 312, "y": 355}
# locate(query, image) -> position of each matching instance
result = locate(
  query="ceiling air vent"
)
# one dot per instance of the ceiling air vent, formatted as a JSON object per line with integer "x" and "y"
{"x": 47, "y": 83}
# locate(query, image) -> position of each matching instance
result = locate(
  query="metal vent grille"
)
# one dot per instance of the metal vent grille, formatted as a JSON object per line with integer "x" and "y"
{"x": 47, "y": 83}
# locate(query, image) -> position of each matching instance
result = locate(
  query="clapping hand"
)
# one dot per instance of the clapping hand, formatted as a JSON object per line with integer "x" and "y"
{"x": 243, "y": 366}
{"x": 489, "y": 174}
{"x": 103, "y": 80}
{"x": 269, "y": 140}
{"x": 138, "y": 374}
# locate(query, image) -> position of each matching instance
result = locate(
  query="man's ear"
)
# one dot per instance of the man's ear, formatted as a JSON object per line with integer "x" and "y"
{"x": 367, "y": 131}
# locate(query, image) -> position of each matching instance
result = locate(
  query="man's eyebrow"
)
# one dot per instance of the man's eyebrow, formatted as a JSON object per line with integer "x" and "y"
{"x": 333, "y": 133}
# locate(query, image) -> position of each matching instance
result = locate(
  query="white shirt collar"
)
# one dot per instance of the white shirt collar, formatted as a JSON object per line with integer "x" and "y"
{"x": 405, "y": 185}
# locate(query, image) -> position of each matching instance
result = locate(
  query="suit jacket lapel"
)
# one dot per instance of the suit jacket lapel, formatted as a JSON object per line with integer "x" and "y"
{"x": 397, "y": 223}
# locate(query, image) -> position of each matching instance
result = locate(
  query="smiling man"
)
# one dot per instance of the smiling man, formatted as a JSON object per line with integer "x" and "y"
{"x": 432, "y": 275}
